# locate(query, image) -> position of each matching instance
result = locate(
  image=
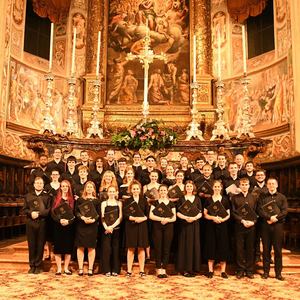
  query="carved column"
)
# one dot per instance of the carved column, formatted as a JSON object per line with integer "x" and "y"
{"x": 201, "y": 26}
{"x": 96, "y": 20}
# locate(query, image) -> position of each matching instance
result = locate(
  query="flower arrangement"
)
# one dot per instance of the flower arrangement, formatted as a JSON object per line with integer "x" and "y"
{"x": 147, "y": 135}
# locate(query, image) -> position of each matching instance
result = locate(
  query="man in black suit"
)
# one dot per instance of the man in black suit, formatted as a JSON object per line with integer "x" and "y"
{"x": 36, "y": 207}
{"x": 40, "y": 171}
{"x": 57, "y": 162}
{"x": 244, "y": 230}
{"x": 272, "y": 226}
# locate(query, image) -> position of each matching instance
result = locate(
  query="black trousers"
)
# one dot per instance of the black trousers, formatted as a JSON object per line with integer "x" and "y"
{"x": 244, "y": 238}
{"x": 36, "y": 238}
{"x": 272, "y": 235}
{"x": 257, "y": 238}
{"x": 162, "y": 239}
{"x": 110, "y": 260}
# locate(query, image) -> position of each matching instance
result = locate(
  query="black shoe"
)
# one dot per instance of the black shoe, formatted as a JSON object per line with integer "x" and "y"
{"x": 38, "y": 270}
{"x": 250, "y": 275}
{"x": 265, "y": 276}
{"x": 160, "y": 276}
{"x": 224, "y": 275}
{"x": 31, "y": 270}
{"x": 164, "y": 276}
{"x": 210, "y": 274}
{"x": 68, "y": 272}
{"x": 279, "y": 277}
{"x": 58, "y": 273}
{"x": 90, "y": 272}
{"x": 239, "y": 274}
{"x": 80, "y": 272}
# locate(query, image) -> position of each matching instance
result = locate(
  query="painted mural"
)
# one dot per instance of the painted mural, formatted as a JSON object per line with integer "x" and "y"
{"x": 168, "y": 22}
{"x": 27, "y": 98}
{"x": 269, "y": 98}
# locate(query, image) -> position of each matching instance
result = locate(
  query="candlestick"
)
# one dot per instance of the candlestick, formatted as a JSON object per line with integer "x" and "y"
{"x": 194, "y": 59}
{"x": 73, "y": 53}
{"x": 219, "y": 56}
{"x": 51, "y": 48}
{"x": 244, "y": 50}
{"x": 98, "y": 53}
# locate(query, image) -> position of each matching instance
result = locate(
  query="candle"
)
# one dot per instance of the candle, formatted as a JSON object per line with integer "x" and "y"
{"x": 194, "y": 59}
{"x": 73, "y": 53}
{"x": 244, "y": 50}
{"x": 51, "y": 47}
{"x": 98, "y": 53}
{"x": 219, "y": 55}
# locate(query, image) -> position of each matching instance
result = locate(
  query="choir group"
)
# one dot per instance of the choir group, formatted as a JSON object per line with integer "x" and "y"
{"x": 213, "y": 210}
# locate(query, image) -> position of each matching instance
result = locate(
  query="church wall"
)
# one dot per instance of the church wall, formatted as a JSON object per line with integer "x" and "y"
{"x": 22, "y": 82}
{"x": 271, "y": 77}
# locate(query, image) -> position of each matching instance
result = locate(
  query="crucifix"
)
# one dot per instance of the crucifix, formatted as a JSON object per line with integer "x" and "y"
{"x": 146, "y": 57}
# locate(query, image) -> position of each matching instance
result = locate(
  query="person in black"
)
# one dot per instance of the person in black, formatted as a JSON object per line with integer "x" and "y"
{"x": 250, "y": 174}
{"x": 221, "y": 172}
{"x": 36, "y": 207}
{"x": 52, "y": 189}
{"x": 240, "y": 161}
{"x": 244, "y": 231}
{"x": 169, "y": 177}
{"x": 71, "y": 174}
{"x": 63, "y": 229}
{"x": 185, "y": 167}
{"x": 40, "y": 171}
{"x": 232, "y": 182}
{"x": 188, "y": 256}
{"x": 210, "y": 158}
{"x": 162, "y": 232}
{"x": 110, "y": 261}
{"x": 272, "y": 227}
{"x": 120, "y": 175}
{"x": 83, "y": 176}
{"x": 57, "y": 162}
{"x": 136, "y": 229}
{"x": 98, "y": 171}
{"x": 150, "y": 162}
{"x": 137, "y": 166}
{"x": 197, "y": 174}
{"x": 258, "y": 189}
{"x": 86, "y": 228}
{"x": 111, "y": 164}
{"x": 84, "y": 160}
{"x": 216, "y": 238}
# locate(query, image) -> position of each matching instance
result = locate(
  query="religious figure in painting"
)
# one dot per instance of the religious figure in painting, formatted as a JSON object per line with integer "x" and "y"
{"x": 156, "y": 88}
{"x": 117, "y": 71}
{"x": 129, "y": 88}
{"x": 169, "y": 78}
{"x": 18, "y": 11}
{"x": 168, "y": 29}
{"x": 184, "y": 87}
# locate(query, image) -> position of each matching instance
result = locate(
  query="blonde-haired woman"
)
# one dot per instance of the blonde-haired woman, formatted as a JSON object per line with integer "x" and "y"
{"x": 87, "y": 228}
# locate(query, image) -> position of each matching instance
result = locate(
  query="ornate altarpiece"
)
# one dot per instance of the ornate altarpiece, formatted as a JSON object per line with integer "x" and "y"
{"x": 172, "y": 24}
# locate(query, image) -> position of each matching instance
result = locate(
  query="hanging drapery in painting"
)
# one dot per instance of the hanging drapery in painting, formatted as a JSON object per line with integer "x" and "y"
{"x": 55, "y": 10}
{"x": 169, "y": 32}
{"x": 240, "y": 10}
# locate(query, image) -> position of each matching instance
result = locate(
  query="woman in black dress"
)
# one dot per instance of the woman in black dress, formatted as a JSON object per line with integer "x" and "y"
{"x": 128, "y": 179}
{"x": 86, "y": 228}
{"x": 110, "y": 262}
{"x": 63, "y": 230}
{"x": 108, "y": 179}
{"x": 216, "y": 246}
{"x": 169, "y": 177}
{"x": 136, "y": 229}
{"x": 162, "y": 231}
{"x": 188, "y": 255}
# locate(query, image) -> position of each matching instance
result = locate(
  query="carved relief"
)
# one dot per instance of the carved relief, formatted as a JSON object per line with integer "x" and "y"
{"x": 79, "y": 22}
{"x": 59, "y": 53}
{"x": 18, "y": 11}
